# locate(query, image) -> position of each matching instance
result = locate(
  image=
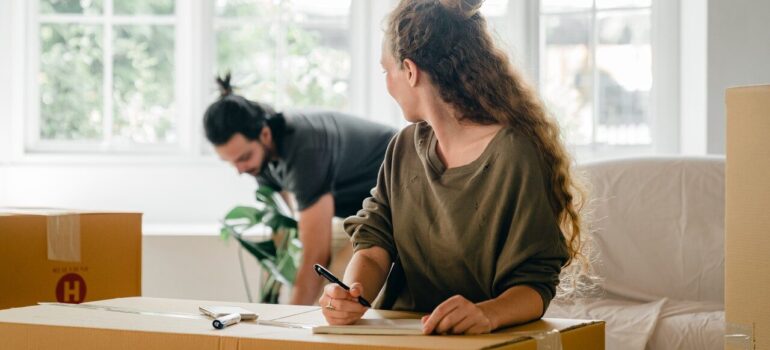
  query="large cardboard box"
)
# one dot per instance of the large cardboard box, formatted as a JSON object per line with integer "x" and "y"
{"x": 69, "y": 257}
{"x": 168, "y": 324}
{"x": 747, "y": 218}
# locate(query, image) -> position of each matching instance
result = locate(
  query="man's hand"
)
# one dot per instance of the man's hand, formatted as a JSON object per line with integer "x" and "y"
{"x": 457, "y": 315}
{"x": 341, "y": 307}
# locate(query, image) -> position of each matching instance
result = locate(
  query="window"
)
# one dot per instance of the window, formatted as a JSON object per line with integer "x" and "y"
{"x": 107, "y": 73}
{"x": 596, "y": 70}
{"x": 104, "y": 75}
{"x": 286, "y": 53}
{"x": 134, "y": 76}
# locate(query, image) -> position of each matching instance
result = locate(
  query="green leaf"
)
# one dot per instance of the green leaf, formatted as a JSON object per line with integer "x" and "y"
{"x": 263, "y": 251}
{"x": 264, "y": 194}
{"x": 224, "y": 232}
{"x": 253, "y": 215}
{"x": 273, "y": 200}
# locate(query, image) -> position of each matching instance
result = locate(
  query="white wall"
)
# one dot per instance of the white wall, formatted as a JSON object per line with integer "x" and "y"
{"x": 196, "y": 267}
{"x": 738, "y": 54}
{"x": 693, "y": 88}
{"x": 172, "y": 193}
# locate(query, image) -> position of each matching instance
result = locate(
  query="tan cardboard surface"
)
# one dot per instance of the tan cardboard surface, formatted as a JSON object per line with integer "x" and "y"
{"x": 106, "y": 263}
{"x": 747, "y": 211}
{"x": 60, "y": 327}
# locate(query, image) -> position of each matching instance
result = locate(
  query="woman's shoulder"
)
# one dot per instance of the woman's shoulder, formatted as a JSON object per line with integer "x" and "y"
{"x": 520, "y": 152}
{"x": 517, "y": 143}
{"x": 412, "y": 134}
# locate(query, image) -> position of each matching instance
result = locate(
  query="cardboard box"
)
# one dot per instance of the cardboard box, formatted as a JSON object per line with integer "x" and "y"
{"x": 747, "y": 218}
{"x": 73, "y": 327}
{"x": 70, "y": 257}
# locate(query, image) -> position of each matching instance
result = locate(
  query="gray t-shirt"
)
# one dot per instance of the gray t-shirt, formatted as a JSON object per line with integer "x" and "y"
{"x": 328, "y": 152}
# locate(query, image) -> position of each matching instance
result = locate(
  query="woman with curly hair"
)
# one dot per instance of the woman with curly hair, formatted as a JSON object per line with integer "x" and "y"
{"x": 476, "y": 209}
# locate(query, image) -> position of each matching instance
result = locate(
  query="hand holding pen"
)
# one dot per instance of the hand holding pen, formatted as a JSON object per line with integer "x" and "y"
{"x": 342, "y": 304}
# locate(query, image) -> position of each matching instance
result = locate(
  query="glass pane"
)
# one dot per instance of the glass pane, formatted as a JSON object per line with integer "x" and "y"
{"x": 70, "y": 81}
{"x": 143, "y": 77}
{"x": 143, "y": 7}
{"x": 494, "y": 8}
{"x": 86, "y": 7}
{"x": 565, "y": 5}
{"x": 317, "y": 59}
{"x": 601, "y": 4}
{"x": 495, "y": 13}
{"x": 326, "y": 8}
{"x": 248, "y": 52}
{"x": 624, "y": 64}
{"x": 567, "y": 77}
{"x": 244, "y": 8}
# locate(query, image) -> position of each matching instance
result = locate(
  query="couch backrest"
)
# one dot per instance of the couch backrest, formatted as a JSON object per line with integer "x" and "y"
{"x": 658, "y": 224}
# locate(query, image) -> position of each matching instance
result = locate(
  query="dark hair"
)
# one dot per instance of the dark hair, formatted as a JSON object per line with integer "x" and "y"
{"x": 232, "y": 114}
{"x": 449, "y": 40}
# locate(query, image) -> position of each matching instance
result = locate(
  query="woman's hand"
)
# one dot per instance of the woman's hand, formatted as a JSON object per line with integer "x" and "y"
{"x": 457, "y": 315}
{"x": 341, "y": 307}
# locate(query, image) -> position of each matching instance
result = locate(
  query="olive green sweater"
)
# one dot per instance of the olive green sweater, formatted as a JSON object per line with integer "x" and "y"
{"x": 474, "y": 230}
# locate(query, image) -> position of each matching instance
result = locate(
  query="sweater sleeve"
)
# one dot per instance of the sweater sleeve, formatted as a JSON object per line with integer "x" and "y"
{"x": 372, "y": 225}
{"x": 533, "y": 249}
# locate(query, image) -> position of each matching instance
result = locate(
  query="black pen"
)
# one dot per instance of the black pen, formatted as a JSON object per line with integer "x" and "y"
{"x": 322, "y": 271}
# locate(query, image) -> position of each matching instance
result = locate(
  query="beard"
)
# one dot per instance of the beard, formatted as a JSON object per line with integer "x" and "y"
{"x": 268, "y": 156}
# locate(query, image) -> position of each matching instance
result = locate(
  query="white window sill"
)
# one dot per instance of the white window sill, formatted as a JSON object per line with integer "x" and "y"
{"x": 193, "y": 230}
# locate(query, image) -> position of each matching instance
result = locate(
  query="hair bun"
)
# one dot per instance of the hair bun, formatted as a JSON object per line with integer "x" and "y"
{"x": 463, "y": 8}
{"x": 224, "y": 85}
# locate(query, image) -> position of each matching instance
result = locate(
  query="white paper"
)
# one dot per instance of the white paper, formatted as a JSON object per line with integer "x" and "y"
{"x": 375, "y": 327}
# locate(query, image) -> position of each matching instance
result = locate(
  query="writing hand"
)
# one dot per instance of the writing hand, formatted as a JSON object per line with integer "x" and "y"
{"x": 341, "y": 307}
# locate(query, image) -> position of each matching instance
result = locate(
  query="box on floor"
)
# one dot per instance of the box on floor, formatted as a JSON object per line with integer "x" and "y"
{"x": 747, "y": 218}
{"x": 67, "y": 256}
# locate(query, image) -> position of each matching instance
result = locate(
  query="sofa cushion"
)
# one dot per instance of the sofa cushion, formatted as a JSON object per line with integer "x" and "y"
{"x": 658, "y": 224}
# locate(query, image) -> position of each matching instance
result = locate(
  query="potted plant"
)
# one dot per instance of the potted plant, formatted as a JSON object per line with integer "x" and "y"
{"x": 279, "y": 256}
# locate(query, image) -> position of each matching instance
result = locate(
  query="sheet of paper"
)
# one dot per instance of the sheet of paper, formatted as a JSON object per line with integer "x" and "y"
{"x": 375, "y": 327}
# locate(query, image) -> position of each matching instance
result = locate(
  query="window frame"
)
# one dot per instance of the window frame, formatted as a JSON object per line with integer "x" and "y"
{"x": 107, "y": 20}
{"x": 664, "y": 106}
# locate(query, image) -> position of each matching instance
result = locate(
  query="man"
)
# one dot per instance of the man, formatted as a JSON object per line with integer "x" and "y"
{"x": 327, "y": 160}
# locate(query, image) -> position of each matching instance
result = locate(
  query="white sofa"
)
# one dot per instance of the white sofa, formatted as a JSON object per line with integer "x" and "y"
{"x": 658, "y": 226}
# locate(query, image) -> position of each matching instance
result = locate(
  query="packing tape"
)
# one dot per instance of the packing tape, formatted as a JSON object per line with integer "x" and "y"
{"x": 546, "y": 340}
{"x": 739, "y": 336}
{"x": 63, "y": 232}
{"x": 550, "y": 340}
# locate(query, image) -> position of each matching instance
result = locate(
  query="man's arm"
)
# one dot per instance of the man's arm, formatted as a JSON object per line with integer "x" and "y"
{"x": 315, "y": 233}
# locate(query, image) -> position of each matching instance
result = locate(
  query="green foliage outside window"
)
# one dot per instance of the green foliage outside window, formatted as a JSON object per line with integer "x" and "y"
{"x": 306, "y": 70}
{"x": 70, "y": 77}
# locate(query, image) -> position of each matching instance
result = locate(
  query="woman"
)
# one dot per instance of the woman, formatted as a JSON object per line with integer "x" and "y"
{"x": 475, "y": 205}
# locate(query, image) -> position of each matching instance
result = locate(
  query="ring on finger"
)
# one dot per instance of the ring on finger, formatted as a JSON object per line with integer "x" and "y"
{"x": 329, "y": 305}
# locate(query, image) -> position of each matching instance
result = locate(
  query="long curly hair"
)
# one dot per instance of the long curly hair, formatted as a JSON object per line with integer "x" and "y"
{"x": 449, "y": 40}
